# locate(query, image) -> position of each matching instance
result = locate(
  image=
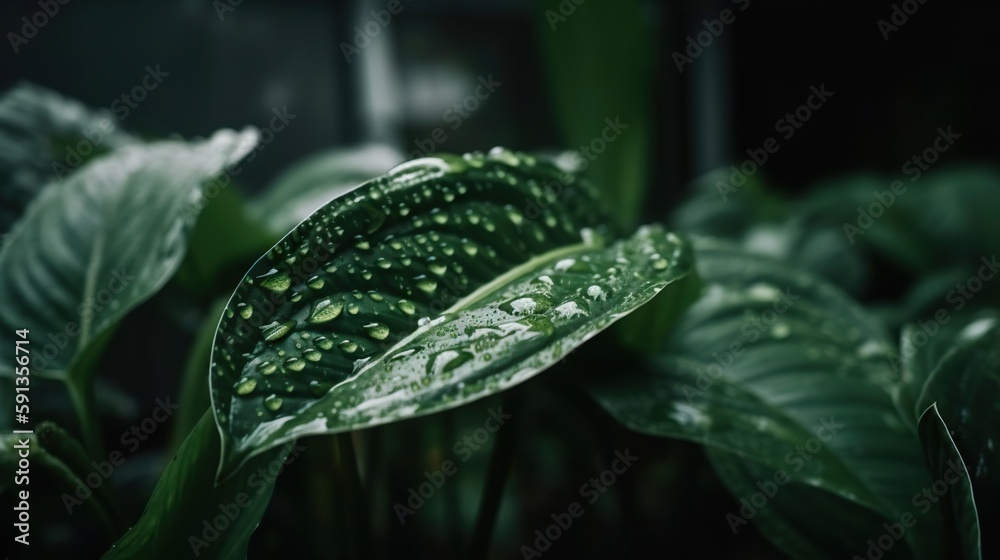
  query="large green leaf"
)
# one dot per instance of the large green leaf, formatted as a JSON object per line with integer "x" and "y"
{"x": 800, "y": 519}
{"x": 965, "y": 386}
{"x": 189, "y": 516}
{"x": 959, "y": 504}
{"x": 444, "y": 281}
{"x": 760, "y": 364}
{"x": 44, "y": 136}
{"x": 91, "y": 248}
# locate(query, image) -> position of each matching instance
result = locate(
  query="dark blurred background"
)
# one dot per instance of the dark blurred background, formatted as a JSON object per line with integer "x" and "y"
{"x": 234, "y": 65}
{"x": 230, "y": 66}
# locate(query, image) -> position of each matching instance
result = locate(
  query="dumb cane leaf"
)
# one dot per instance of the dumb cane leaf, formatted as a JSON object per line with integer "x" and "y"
{"x": 91, "y": 248}
{"x": 961, "y": 403}
{"x": 771, "y": 360}
{"x": 444, "y": 281}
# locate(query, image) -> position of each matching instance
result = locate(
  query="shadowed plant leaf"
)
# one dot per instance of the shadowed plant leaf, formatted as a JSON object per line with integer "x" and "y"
{"x": 45, "y": 136}
{"x": 770, "y": 360}
{"x": 94, "y": 246}
{"x": 962, "y": 536}
{"x": 189, "y": 516}
{"x": 444, "y": 281}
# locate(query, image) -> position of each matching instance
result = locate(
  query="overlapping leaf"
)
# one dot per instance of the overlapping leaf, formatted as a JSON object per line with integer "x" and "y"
{"x": 771, "y": 360}
{"x": 442, "y": 282}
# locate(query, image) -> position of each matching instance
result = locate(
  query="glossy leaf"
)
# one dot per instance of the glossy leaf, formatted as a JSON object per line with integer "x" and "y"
{"x": 965, "y": 386}
{"x": 447, "y": 280}
{"x": 189, "y": 516}
{"x": 91, "y": 248}
{"x": 768, "y": 360}
{"x": 958, "y": 503}
{"x": 45, "y": 136}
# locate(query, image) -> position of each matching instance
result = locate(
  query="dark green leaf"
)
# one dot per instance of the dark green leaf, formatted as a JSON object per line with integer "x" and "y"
{"x": 94, "y": 246}
{"x": 189, "y": 516}
{"x": 965, "y": 386}
{"x": 958, "y": 503}
{"x": 760, "y": 364}
{"x": 44, "y": 136}
{"x": 445, "y": 281}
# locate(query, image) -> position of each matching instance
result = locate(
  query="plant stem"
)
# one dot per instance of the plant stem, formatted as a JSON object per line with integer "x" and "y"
{"x": 347, "y": 464}
{"x": 86, "y": 411}
{"x": 496, "y": 477}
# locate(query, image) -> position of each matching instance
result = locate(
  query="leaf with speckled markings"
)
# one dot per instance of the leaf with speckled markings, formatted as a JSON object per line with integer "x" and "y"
{"x": 770, "y": 360}
{"x": 444, "y": 281}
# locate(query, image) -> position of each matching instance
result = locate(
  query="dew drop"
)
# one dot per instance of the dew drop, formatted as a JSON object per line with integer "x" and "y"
{"x": 316, "y": 283}
{"x": 324, "y": 343}
{"x": 246, "y": 386}
{"x": 275, "y": 330}
{"x": 245, "y": 310}
{"x": 597, "y": 292}
{"x": 273, "y": 403}
{"x": 426, "y": 284}
{"x": 348, "y": 346}
{"x": 312, "y": 355}
{"x": 295, "y": 364}
{"x": 275, "y": 281}
{"x": 326, "y": 310}
{"x": 406, "y": 307}
{"x": 267, "y": 368}
{"x": 378, "y": 331}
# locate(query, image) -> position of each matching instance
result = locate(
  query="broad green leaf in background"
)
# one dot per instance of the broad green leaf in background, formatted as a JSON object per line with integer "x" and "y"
{"x": 45, "y": 136}
{"x": 958, "y": 503}
{"x": 189, "y": 516}
{"x": 444, "y": 281}
{"x": 965, "y": 386}
{"x": 310, "y": 184}
{"x": 93, "y": 247}
{"x": 786, "y": 514}
{"x": 760, "y": 221}
{"x": 760, "y": 364}
{"x": 922, "y": 347}
{"x": 614, "y": 85}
